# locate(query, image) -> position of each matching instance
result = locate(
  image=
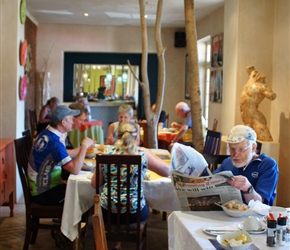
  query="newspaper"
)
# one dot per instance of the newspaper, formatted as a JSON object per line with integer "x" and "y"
{"x": 196, "y": 187}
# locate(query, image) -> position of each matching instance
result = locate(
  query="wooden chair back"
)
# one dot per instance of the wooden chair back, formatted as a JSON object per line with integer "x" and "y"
{"x": 259, "y": 147}
{"x": 119, "y": 231}
{"x": 212, "y": 143}
{"x": 215, "y": 124}
{"x": 99, "y": 226}
{"x": 167, "y": 121}
{"x": 214, "y": 161}
{"x": 27, "y": 133}
{"x": 33, "y": 212}
{"x": 33, "y": 122}
{"x": 145, "y": 141}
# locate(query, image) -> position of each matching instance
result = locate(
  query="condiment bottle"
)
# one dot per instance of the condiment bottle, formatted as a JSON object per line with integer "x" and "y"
{"x": 271, "y": 233}
{"x": 281, "y": 230}
{"x": 287, "y": 236}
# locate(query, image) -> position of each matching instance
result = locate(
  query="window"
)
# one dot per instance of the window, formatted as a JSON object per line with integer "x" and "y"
{"x": 204, "y": 53}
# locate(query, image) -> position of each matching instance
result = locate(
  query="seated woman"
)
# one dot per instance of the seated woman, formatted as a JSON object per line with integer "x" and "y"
{"x": 125, "y": 114}
{"x": 43, "y": 120}
{"x": 127, "y": 144}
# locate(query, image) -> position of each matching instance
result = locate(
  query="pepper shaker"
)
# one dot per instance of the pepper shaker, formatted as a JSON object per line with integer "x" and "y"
{"x": 281, "y": 230}
{"x": 271, "y": 233}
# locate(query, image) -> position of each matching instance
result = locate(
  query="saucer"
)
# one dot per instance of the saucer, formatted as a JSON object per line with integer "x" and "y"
{"x": 261, "y": 231}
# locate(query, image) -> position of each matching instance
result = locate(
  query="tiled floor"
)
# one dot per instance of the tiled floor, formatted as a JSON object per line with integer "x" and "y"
{"x": 12, "y": 231}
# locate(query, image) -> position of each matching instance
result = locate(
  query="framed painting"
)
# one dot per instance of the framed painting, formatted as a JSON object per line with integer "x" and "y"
{"x": 216, "y": 86}
{"x": 217, "y": 50}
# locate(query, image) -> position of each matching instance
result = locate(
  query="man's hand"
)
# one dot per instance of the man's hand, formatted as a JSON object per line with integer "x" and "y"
{"x": 175, "y": 125}
{"x": 88, "y": 143}
{"x": 240, "y": 182}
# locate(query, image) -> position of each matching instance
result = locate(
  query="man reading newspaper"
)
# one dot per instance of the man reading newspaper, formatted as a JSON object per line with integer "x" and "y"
{"x": 196, "y": 187}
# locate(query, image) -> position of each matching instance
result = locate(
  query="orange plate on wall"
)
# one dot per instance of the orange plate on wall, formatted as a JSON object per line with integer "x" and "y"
{"x": 23, "y": 88}
{"x": 23, "y": 52}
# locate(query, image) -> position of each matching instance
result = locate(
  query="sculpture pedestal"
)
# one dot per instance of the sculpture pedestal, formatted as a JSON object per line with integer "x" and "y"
{"x": 269, "y": 148}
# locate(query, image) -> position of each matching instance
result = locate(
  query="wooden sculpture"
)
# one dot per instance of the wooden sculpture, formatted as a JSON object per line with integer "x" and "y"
{"x": 254, "y": 92}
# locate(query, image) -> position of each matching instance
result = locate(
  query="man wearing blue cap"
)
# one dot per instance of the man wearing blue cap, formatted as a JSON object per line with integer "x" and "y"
{"x": 49, "y": 156}
{"x": 255, "y": 175}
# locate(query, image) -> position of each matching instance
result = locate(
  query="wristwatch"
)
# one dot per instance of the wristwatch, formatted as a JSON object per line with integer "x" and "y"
{"x": 250, "y": 190}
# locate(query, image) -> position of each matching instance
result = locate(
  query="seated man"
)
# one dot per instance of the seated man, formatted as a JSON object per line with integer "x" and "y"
{"x": 184, "y": 129}
{"x": 49, "y": 156}
{"x": 255, "y": 175}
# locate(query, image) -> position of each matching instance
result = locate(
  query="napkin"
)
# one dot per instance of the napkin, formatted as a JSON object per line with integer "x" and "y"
{"x": 218, "y": 247}
{"x": 259, "y": 207}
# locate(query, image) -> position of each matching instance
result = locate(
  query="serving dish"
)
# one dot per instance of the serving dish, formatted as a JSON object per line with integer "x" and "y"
{"x": 235, "y": 208}
{"x": 232, "y": 238}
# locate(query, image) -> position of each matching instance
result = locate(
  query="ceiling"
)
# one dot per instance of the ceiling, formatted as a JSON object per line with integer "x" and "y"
{"x": 115, "y": 12}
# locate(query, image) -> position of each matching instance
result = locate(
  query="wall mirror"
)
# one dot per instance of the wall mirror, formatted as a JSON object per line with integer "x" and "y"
{"x": 106, "y": 81}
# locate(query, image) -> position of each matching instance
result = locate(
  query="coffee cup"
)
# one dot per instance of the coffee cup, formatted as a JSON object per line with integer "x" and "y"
{"x": 252, "y": 223}
{"x": 277, "y": 211}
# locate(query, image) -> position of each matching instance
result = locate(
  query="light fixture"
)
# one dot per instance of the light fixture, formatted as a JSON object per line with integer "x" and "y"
{"x": 119, "y": 79}
{"x": 86, "y": 14}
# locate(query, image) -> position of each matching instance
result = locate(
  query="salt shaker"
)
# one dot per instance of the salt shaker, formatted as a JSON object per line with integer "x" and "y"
{"x": 271, "y": 233}
{"x": 281, "y": 230}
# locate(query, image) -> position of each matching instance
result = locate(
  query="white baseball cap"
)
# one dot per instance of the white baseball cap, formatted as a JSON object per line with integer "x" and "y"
{"x": 241, "y": 132}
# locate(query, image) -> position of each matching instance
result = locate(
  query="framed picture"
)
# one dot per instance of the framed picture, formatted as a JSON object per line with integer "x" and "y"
{"x": 217, "y": 50}
{"x": 216, "y": 86}
{"x": 187, "y": 86}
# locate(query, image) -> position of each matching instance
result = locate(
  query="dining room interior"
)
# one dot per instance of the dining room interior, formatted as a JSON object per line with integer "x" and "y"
{"x": 63, "y": 58}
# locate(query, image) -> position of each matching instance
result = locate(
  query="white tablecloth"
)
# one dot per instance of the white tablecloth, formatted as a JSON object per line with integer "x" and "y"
{"x": 160, "y": 195}
{"x": 79, "y": 198}
{"x": 185, "y": 230}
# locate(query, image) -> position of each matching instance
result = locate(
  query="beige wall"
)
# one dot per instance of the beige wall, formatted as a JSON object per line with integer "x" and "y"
{"x": 54, "y": 40}
{"x": 11, "y": 108}
{"x": 255, "y": 33}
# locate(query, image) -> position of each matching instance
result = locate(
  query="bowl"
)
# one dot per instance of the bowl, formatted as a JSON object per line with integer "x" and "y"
{"x": 235, "y": 208}
{"x": 231, "y": 238}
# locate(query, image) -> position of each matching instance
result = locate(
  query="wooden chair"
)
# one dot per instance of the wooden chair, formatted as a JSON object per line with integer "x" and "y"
{"x": 34, "y": 212}
{"x": 259, "y": 147}
{"x": 145, "y": 142}
{"x": 33, "y": 122}
{"x": 167, "y": 121}
{"x": 162, "y": 144}
{"x": 214, "y": 160}
{"x": 212, "y": 144}
{"x": 28, "y": 134}
{"x": 122, "y": 232}
{"x": 214, "y": 126}
{"x": 99, "y": 226}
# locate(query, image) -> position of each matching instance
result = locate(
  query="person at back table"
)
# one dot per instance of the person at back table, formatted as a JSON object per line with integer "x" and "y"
{"x": 185, "y": 129}
{"x": 127, "y": 144}
{"x": 255, "y": 175}
{"x": 43, "y": 120}
{"x": 125, "y": 114}
{"x": 49, "y": 156}
{"x": 162, "y": 117}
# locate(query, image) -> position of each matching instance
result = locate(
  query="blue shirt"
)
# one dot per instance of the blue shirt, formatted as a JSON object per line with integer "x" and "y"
{"x": 261, "y": 172}
{"x": 46, "y": 159}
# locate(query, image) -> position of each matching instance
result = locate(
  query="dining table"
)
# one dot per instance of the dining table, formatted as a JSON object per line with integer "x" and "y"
{"x": 79, "y": 197}
{"x": 190, "y": 230}
{"x": 92, "y": 129}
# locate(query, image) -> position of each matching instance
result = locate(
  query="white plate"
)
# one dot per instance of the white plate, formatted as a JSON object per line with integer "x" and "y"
{"x": 219, "y": 229}
{"x": 263, "y": 230}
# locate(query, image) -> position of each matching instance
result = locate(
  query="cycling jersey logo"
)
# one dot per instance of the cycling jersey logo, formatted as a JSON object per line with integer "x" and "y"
{"x": 41, "y": 143}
